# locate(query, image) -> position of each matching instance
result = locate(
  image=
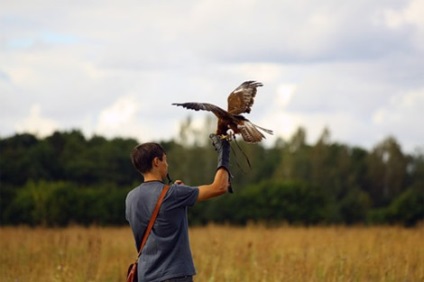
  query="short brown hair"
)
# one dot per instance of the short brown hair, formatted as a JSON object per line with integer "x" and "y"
{"x": 143, "y": 155}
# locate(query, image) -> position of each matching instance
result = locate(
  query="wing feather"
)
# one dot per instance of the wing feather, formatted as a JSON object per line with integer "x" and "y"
{"x": 239, "y": 101}
{"x": 242, "y": 98}
{"x": 219, "y": 113}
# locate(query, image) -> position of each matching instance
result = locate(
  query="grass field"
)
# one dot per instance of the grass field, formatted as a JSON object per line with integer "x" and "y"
{"x": 221, "y": 253}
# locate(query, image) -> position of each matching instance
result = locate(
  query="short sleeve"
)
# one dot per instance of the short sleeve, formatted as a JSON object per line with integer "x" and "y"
{"x": 183, "y": 195}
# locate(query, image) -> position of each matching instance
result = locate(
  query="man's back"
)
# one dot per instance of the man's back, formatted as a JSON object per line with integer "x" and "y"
{"x": 167, "y": 251}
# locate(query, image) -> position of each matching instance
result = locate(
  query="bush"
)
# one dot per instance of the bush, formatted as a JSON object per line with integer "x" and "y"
{"x": 62, "y": 203}
{"x": 268, "y": 202}
{"x": 355, "y": 206}
{"x": 408, "y": 208}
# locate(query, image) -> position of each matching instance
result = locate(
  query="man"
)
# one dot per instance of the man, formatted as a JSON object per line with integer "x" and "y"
{"x": 167, "y": 255}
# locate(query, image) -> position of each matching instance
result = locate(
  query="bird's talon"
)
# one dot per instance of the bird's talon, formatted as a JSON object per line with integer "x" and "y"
{"x": 229, "y": 138}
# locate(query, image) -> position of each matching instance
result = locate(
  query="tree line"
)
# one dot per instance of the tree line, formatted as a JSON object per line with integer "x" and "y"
{"x": 67, "y": 178}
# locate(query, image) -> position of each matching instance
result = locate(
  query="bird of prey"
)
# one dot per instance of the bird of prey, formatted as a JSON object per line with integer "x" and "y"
{"x": 230, "y": 121}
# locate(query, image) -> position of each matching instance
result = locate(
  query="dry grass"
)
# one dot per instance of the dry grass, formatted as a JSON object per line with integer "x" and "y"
{"x": 221, "y": 253}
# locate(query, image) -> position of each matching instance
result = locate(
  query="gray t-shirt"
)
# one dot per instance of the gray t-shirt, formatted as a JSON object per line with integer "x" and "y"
{"x": 167, "y": 251}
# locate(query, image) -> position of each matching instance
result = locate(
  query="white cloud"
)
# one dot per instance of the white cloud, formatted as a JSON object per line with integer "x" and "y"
{"x": 403, "y": 115}
{"x": 116, "y": 68}
{"x": 285, "y": 93}
{"x": 120, "y": 118}
{"x": 405, "y": 108}
{"x": 36, "y": 124}
{"x": 411, "y": 18}
{"x": 412, "y": 14}
{"x": 281, "y": 123}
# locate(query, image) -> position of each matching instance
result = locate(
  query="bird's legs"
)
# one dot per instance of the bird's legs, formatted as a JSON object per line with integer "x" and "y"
{"x": 230, "y": 136}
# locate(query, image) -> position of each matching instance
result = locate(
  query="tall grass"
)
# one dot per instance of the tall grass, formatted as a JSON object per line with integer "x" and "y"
{"x": 221, "y": 253}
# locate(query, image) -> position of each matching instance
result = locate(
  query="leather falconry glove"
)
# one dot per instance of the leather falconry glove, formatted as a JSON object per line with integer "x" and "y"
{"x": 222, "y": 146}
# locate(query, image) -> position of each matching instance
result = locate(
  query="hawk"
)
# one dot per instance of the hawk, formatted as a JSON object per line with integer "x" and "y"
{"x": 230, "y": 121}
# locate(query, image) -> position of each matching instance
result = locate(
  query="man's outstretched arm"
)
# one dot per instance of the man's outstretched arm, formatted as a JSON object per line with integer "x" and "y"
{"x": 221, "y": 183}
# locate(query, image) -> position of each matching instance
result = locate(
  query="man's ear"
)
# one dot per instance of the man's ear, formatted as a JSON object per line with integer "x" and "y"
{"x": 155, "y": 161}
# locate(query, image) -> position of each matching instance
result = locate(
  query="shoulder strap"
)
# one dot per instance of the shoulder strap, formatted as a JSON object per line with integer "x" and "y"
{"x": 153, "y": 218}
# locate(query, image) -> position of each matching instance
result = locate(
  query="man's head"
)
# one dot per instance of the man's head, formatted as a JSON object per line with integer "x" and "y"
{"x": 143, "y": 156}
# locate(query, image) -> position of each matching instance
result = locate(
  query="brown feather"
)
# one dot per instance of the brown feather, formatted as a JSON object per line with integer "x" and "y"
{"x": 242, "y": 98}
{"x": 239, "y": 101}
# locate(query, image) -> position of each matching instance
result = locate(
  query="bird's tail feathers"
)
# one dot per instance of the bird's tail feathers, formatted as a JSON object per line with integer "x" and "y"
{"x": 269, "y": 131}
{"x": 250, "y": 133}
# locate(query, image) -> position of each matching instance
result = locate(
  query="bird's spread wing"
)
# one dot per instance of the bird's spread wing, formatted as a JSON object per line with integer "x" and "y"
{"x": 242, "y": 98}
{"x": 219, "y": 113}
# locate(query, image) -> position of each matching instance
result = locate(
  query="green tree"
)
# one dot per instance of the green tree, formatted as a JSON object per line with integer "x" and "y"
{"x": 294, "y": 158}
{"x": 387, "y": 171}
{"x": 16, "y": 161}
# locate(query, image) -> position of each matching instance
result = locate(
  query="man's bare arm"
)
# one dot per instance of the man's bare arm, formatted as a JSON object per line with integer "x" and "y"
{"x": 218, "y": 187}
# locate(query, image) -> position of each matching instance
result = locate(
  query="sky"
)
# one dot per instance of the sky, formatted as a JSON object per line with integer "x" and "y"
{"x": 113, "y": 68}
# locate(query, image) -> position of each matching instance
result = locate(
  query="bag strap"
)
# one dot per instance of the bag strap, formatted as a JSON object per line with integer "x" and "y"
{"x": 153, "y": 218}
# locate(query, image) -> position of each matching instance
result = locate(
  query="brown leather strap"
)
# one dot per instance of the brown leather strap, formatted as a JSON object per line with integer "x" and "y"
{"x": 153, "y": 218}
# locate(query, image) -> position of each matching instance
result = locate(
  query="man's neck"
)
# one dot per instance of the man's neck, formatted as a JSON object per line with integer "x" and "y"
{"x": 152, "y": 177}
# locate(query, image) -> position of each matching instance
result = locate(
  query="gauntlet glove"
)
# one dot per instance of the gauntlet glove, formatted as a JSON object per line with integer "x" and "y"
{"x": 222, "y": 146}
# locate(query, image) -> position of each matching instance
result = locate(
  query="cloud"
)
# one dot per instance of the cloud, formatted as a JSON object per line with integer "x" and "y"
{"x": 116, "y": 68}
{"x": 411, "y": 14}
{"x": 288, "y": 32}
{"x": 402, "y": 116}
{"x": 36, "y": 124}
{"x": 410, "y": 17}
{"x": 120, "y": 118}
{"x": 285, "y": 93}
